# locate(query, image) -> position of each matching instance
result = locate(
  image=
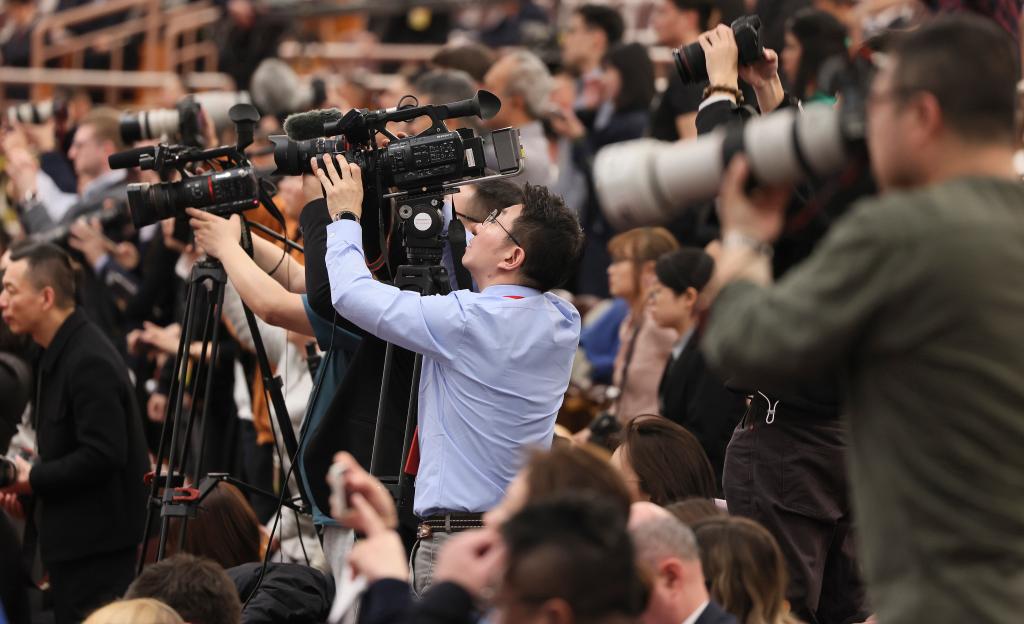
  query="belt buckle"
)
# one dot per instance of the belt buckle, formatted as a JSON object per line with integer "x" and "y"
{"x": 424, "y": 531}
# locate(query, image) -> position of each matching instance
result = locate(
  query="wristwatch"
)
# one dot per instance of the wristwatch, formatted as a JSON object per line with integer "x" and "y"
{"x": 345, "y": 215}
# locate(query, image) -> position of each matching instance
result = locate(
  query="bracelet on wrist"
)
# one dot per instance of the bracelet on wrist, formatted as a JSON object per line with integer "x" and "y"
{"x": 726, "y": 89}
{"x": 735, "y": 239}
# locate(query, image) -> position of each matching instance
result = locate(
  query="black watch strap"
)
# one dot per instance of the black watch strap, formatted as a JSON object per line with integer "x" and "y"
{"x": 346, "y": 215}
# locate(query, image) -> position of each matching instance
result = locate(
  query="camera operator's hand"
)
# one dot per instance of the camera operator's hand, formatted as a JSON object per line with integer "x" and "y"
{"x": 565, "y": 122}
{"x": 763, "y": 76}
{"x": 721, "y": 56}
{"x": 759, "y": 215}
{"x": 381, "y": 554}
{"x": 357, "y": 481}
{"x": 13, "y": 507}
{"x": 214, "y": 235}
{"x": 472, "y": 559}
{"x": 343, "y": 185}
{"x": 22, "y": 167}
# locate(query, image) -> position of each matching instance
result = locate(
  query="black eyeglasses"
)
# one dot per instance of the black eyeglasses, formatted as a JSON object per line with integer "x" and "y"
{"x": 467, "y": 217}
{"x": 493, "y": 218}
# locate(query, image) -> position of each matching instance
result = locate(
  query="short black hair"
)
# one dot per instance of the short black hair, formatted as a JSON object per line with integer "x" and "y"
{"x": 689, "y": 267}
{"x": 705, "y": 9}
{"x": 49, "y": 265}
{"x": 574, "y": 547}
{"x": 604, "y": 17}
{"x": 971, "y": 67}
{"x": 551, "y": 237}
{"x": 197, "y": 588}
{"x": 493, "y": 195}
{"x": 822, "y": 37}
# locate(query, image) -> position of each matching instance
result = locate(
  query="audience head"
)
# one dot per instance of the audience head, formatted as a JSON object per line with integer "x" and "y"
{"x": 634, "y": 253}
{"x": 662, "y": 462}
{"x": 812, "y": 38}
{"x": 693, "y": 510}
{"x": 98, "y": 136}
{"x": 536, "y": 243}
{"x": 140, "y": 610}
{"x": 681, "y": 275}
{"x": 225, "y": 529}
{"x": 629, "y": 77}
{"x": 666, "y": 550}
{"x": 569, "y": 559}
{"x": 198, "y": 589}
{"x": 679, "y": 22}
{"x": 561, "y": 470}
{"x": 523, "y": 83}
{"x": 744, "y": 568}
{"x": 487, "y": 197}
{"x": 38, "y": 290}
{"x": 473, "y": 58}
{"x": 946, "y": 88}
{"x": 592, "y": 30}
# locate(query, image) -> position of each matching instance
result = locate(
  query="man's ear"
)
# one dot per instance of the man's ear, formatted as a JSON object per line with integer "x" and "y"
{"x": 927, "y": 115}
{"x": 515, "y": 259}
{"x": 691, "y": 295}
{"x": 671, "y": 573}
{"x": 556, "y": 611}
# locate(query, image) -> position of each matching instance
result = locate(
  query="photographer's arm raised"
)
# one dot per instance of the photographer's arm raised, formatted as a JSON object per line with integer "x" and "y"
{"x": 429, "y": 325}
{"x": 285, "y": 270}
{"x": 267, "y": 298}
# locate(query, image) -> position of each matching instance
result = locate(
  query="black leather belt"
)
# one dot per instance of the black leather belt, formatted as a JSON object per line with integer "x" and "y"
{"x": 453, "y": 522}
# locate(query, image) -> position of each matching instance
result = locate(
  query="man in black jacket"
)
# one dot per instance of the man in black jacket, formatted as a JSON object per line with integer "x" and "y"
{"x": 89, "y": 497}
{"x": 690, "y": 394}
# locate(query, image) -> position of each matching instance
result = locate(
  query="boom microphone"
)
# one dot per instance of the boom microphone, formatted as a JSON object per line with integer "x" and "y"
{"x": 306, "y": 126}
{"x": 130, "y": 158}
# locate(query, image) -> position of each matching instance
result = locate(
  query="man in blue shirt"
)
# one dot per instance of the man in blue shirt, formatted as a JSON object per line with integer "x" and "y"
{"x": 496, "y": 363}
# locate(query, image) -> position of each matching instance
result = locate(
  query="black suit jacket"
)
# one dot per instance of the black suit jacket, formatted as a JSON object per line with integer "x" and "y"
{"x": 90, "y": 497}
{"x": 714, "y": 614}
{"x": 694, "y": 397}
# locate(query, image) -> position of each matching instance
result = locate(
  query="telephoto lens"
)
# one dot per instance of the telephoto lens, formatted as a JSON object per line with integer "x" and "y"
{"x": 292, "y": 157}
{"x": 690, "y": 61}
{"x": 222, "y": 193}
{"x": 8, "y": 472}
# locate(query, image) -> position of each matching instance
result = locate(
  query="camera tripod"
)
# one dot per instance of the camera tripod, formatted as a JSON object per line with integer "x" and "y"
{"x": 421, "y": 224}
{"x": 176, "y": 500}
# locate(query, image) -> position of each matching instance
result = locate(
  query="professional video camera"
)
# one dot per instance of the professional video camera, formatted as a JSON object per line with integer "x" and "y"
{"x": 692, "y": 65}
{"x": 648, "y": 182}
{"x": 111, "y": 216}
{"x": 435, "y": 157}
{"x": 234, "y": 188}
{"x": 420, "y": 169}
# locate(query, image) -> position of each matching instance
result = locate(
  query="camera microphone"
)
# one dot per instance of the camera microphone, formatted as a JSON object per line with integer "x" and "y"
{"x": 130, "y": 158}
{"x": 306, "y": 126}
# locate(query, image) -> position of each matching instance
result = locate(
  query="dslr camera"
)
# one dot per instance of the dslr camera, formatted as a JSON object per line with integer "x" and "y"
{"x": 690, "y": 61}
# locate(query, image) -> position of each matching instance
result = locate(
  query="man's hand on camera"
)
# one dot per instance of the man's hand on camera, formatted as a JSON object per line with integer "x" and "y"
{"x": 215, "y": 235}
{"x": 472, "y": 559}
{"x": 357, "y": 481}
{"x": 343, "y": 185}
{"x": 763, "y": 76}
{"x": 87, "y": 237}
{"x": 721, "y": 56}
{"x": 11, "y": 504}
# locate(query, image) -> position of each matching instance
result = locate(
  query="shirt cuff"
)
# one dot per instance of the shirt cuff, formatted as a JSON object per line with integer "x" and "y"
{"x": 711, "y": 99}
{"x": 345, "y": 231}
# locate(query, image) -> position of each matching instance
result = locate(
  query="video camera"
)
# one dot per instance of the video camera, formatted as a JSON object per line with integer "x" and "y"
{"x": 233, "y": 189}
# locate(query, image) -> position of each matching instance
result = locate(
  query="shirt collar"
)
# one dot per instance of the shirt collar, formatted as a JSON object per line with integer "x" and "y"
{"x": 697, "y": 613}
{"x": 61, "y": 338}
{"x": 685, "y": 340}
{"x": 510, "y": 290}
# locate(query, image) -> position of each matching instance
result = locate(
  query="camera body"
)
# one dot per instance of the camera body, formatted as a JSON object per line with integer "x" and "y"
{"x": 223, "y": 193}
{"x": 692, "y": 65}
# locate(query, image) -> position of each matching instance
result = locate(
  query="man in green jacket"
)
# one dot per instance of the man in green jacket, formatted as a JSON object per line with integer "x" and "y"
{"x": 913, "y": 299}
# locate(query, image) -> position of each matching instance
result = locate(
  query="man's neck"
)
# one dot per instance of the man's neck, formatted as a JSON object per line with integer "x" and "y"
{"x": 691, "y": 599}
{"x": 486, "y": 282}
{"x": 43, "y": 335}
{"x": 964, "y": 160}
{"x": 684, "y": 326}
{"x": 518, "y": 119}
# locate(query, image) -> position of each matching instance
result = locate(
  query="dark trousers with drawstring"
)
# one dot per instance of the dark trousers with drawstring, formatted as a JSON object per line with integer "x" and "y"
{"x": 790, "y": 476}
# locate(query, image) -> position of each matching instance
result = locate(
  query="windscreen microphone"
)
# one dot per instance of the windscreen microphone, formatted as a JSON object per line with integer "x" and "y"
{"x": 306, "y": 126}
{"x": 130, "y": 158}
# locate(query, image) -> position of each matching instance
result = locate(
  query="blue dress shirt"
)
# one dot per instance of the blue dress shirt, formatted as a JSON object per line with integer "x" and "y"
{"x": 495, "y": 370}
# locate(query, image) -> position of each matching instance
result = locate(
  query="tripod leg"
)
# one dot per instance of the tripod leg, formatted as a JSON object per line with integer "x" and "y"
{"x": 378, "y": 438}
{"x": 411, "y": 419}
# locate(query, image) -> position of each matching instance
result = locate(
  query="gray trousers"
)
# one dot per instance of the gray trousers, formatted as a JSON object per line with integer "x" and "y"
{"x": 422, "y": 560}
